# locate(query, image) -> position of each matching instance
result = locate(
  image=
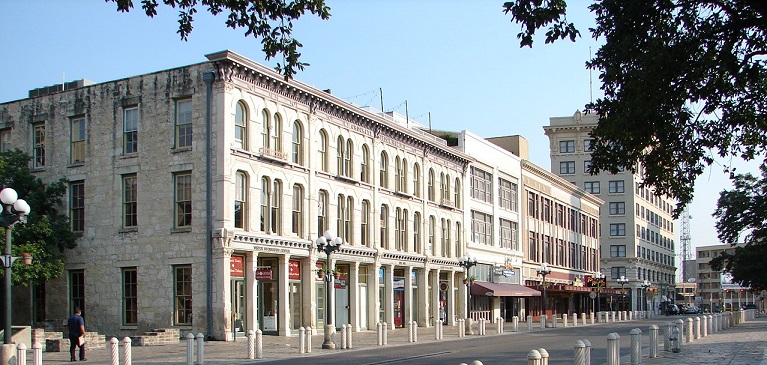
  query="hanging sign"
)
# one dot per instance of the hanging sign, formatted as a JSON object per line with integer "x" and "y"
{"x": 294, "y": 270}
{"x": 264, "y": 274}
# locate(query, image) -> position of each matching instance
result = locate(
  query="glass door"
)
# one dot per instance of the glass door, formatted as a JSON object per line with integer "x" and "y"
{"x": 239, "y": 307}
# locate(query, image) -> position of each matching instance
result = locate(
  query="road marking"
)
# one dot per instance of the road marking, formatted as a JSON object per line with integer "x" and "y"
{"x": 764, "y": 358}
{"x": 408, "y": 358}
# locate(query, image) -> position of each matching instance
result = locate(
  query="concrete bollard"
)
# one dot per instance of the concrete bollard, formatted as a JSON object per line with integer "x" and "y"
{"x": 415, "y": 331}
{"x": 259, "y": 344}
{"x": 348, "y": 336}
{"x": 588, "y": 351}
{"x": 37, "y": 354}
{"x": 533, "y": 357}
{"x": 667, "y": 337}
{"x": 679, "y": 324}
{"x": 498, "y": 325}
{"x": 564, "y": 319}
{"x": 688, "y": 330}
{"x": 620, "y": 316}
{"x": 554, "y": 321}
{"x": 189, "y": 349}
{"x": 461, "y": 328}
{"x": 515, "y": 324}
{"x": 530, "y": 325}
{"x": 592, "y": 317}
{"x": 410, "y": 332}
{"x": 379, "y": 333}
{"x": 21, "y": 354}
{"x": 251, "y": 344}
{"x": 114, "y": 354}
{"x": 308, "y": 342}
{"x": 470, "y": 326}
{"x": 580, "y": 353}
{"x": 704, "y": 326}
{"x": 543, "y": 321}
{"x": 200, "y": 349}
{"x": 653, "y": 341}
{"x": 127, "y": 356}
{"x": 385, "y": 333}
{"x": 476, "y": 362}
{"x": 302, "y": 340}
{"x": 714, "y": 323}
{"x": 676, "y": 342}
{"x": 613, "y": 349}
{"x": 583, "y": 318}
{"x": 636, "y": 346}
{"x": 436, "y": 330}
{"x": 575, "y": 319}
{"x": 612, "y": 316}
{"x": 544, "y": 356}
{"x": 696, "y": 328}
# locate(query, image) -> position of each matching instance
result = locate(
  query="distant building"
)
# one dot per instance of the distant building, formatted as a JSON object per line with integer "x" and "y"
{"x": 638, "y": 228}
{"x": 717, "y": 290}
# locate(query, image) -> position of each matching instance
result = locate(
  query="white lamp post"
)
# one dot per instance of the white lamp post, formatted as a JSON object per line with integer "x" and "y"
{"x": 329, "y": 243}
{"x": 467, "y": 262}
{"x": 14, "y": 210}
{"x": 645, "y": 286}
{"x": 623, "y": 280}
{"x": 543, "y": 271}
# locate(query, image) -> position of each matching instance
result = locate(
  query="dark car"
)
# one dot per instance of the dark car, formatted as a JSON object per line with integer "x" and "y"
{"x": 672, "y": 310}
{"x": 749, "y": 306}
{"x": 691, "y": 309}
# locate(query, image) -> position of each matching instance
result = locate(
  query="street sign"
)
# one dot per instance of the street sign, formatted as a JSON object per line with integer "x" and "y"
{"x": 593, "y": 295}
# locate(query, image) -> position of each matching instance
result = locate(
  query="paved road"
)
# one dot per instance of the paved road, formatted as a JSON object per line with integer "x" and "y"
{"x": 740, "y": 345}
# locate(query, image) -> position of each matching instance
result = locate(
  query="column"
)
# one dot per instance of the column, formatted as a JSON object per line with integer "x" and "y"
{"x": 423, "y": 300}
{"x": 408, "y": 295}
{"x": 251, "y": 291}
{"x": 353, "y": 281}
{"x": 283, "y": 315}
{"x": 451, "y": 304}
{"x": 389, "y": 295}
{"x": 309, "y": 290}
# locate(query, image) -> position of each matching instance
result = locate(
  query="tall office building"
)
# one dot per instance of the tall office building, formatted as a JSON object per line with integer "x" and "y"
{"x": 637, "y": 240}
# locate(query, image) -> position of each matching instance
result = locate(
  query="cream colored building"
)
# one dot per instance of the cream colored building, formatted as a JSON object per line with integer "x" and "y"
{"x": 637, "y": 239}
{"x": 198, "y": 193}
{"x": 717, "y": 291}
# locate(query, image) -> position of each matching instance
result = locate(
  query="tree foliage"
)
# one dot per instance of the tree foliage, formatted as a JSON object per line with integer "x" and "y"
{"x": 741, "y": 214}
{"x": 46, "y": 234}
{"x": 683, "y": 81}
{"x": 268, "y": 20}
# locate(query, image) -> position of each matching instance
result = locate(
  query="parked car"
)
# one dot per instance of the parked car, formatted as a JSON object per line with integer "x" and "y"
{"x": 691, "y": 309}
{"x": 672, "y": 309}
{"x": 749, "y": 306}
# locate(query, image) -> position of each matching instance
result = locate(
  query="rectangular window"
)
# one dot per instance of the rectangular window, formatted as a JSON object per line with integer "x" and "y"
{"x": 617, "y": 272}
{"x": 77, "y": 290}
{"x": 616, "y": 186}
{"x": 617, "y": 208}
{"x": 182, "y": 295}
{"x": 365, "y": 223}
{"x": 384, "y": 226}
{"x": 566, "y": 167}
{"x": 482, "y": 227}
{"x": 617, "y": 250}
{"x": 507, "y": 194}
{"x": 130, "y": 130}
{"x": 130, "y": 201}
{"x": 586, "y": 166}
{"x": 183, "y": 199}
{"x": 77, "y": 141}
{"x": 130, "y": 296}
{"x": 508, "y": 234}
{"x": 5, "y": 140}
{"x": 77, "y": 205}
{"x": 481, "y": 185}
{"x": 588, "y": 145}
{"x": 566, "y": 146}
{"x": 591, "y": 187}
{"x": 184, "y": 123}
{"x": 298, "y": 210}
{"x": 38, "y": 145}
{"x": 617, "y": 229}
{"x": 417, "y": 232}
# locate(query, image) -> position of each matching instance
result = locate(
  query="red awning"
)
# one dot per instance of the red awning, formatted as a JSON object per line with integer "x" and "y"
{"x": 502, "y": 290}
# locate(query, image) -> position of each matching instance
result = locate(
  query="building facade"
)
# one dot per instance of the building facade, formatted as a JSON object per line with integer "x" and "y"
{"x": 716, "y": 289}
{"x": 198, "y": 193}
{"x": 638, "y": 228}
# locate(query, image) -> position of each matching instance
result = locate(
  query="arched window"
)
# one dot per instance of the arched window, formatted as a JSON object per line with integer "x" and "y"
{"x": 365, "y": 223}
{"x": 340, "y": 145}
{"x": 384, "y": 171}
{"x": 241, "y": 125}
{"x": 430, "y": 187}
{"x": 266, "y": 126}
{"x": 297, "y": 224}
{"x": 416, "y": 180}
{"x": 458, "y": 240}
{"x": 277, "y": 133}
{"x": 384, "y": 226}
{"x": 348, "y": 158}
{"x": 240, "y": 199}
{"x": 323, "y": 153}
{"x": 322, "y": 211}
{"x": 266, "y": 196}
{"x": 443, "y": 237}
{"x": 397, "y": 174}
{"x": 365, "y": 165}
{"x": 271, "y": 209}
{"x": 457, "y": 193}
{"x": 298, "y": 148}
{"x": 417, "y": 233}
{"x": 432, "y": 247}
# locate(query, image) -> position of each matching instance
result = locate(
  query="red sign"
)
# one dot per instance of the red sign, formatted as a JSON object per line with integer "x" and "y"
{"x": 294, "y": 270}
{"x": 264, "y": 274}
{"x": 236, "y": 267}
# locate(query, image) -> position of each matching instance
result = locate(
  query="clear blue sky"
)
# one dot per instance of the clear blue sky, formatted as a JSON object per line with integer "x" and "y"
{"x": 458, "y": 60}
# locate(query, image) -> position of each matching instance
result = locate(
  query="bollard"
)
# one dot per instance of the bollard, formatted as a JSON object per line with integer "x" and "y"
{"x": 688, "y": 330}
{"x": 343, "y": 336}
{"x": 127, "y": 357}
{"x": 704, "y": 326}
{"x": 653, "y": 341}
{"x": 575, "y": 319}
{"x": 251, "y": 344}
{"x": 470, "y": 326}
{"x": 587, "y": 353}
{"x": 21, "y": 354}
{"x": 515, "y": 324}
{"x": 379, "y": 333}
{"x": 583, "y": 319}
{"x": 348, "y": 337}
{"x": 302, "y": 340}
{"x": 533, "y": 357}
{"x": 189, "y": 349}
{"x": 714, "y": 323}
{"x": 667, "y": 337}
{"x": 114, "y": 356}
{"x": 543, "y": 321}
{"x": 676, "y": 342}
{"x": 696, "y": 329}
{"x": 37, "y": 354}
{"x": 592, "y": 317}
{"x": 484, "y": 327}
{"x": 580, "y": 353}
{"x": 564, "y": 319}
{"x": 436, "y": 330}
{"x": 544, "y": 356}
{"x": 476, "y": 362}
{"x": 498, "y": 325}
{"x": 385, "y": 333}
{"x": 409, "y": 332}
{"x": 679, "y": 324}
{"x": 530, "y": 325}
{"x": 259, "y": 344}
{"x": 636, "y": 346}
{"x": 200, "y": 349}
{"x": 415, "y": 331}
{"x": 612, "y": 350}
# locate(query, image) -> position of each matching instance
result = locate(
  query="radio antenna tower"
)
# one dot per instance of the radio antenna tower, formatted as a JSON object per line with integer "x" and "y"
{"x": 685, "y": 238}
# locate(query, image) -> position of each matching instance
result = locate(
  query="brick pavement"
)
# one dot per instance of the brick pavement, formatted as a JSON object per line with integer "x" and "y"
{"x": 744, "y": 344}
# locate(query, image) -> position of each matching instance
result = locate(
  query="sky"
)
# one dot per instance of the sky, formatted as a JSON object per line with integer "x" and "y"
{"x": 457, "y": 64}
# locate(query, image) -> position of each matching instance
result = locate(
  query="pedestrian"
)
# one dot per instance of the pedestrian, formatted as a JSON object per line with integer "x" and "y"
{"x": 76, "y": 326}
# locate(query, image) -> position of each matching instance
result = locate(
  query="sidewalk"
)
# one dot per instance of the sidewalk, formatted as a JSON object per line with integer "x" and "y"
{"x": 743, "y": 344}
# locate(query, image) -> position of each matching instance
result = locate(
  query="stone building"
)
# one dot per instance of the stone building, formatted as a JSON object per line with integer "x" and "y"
{"x": 198, "y": 193}
{"x": 638, "y": 238}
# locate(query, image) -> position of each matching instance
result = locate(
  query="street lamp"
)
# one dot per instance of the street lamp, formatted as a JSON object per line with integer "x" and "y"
{"x": 329, "y": 243}
{"x": 645, "y": 286}
{"x": 467, "y": 262}
{"x": 623, "y": 280}
{"x": 543, "y": 271}
{"x": 14, "y": 210}
{"x": 600, "y": 280}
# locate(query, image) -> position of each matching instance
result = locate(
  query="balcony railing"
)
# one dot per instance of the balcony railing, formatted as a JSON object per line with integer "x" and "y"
{"x": 274, "y": 154}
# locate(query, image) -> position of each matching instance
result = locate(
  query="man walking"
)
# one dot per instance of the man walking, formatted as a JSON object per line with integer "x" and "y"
{"x": 76, "y": 326}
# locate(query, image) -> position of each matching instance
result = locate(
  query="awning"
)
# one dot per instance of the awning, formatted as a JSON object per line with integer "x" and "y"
{"x": 502, "y": 290}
